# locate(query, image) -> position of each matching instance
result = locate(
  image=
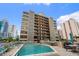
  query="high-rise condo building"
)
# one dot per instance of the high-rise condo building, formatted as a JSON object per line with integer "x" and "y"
{"x": 7, "y": 30}
{"x": 70, "y": 26}
{"x": 37, "y": 27}
{"x": 4, "y": 28}
{"x": 12, "y": 31}
{"x": 1, "y": 28}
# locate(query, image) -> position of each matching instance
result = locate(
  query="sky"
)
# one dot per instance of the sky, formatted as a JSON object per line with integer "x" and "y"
{"x": 13, "y": 11}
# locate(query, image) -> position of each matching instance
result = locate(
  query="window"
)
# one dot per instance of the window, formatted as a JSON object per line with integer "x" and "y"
{"x": 23, "y": 36}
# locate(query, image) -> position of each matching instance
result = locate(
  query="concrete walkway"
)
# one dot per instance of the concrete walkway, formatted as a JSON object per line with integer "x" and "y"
{"x": 62, "y": 52}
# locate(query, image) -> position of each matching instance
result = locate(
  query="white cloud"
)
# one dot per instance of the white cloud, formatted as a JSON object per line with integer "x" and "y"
{"x": 46, "y": 4}
{"x": 64, "y": 18}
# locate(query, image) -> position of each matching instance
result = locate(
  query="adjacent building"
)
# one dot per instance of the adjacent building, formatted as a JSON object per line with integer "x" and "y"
{"x": 12, "y": 31}
{"x": 7, "y": 30}
{"x": 37, "y": 27}
{"x": 1, "y": 28}
{"x": 4, "y": 28}
{"x": 70, "y": 26}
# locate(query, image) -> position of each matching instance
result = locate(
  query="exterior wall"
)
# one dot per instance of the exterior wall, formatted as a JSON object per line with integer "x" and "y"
{"x": 60, "y": 33}
{"x": 10, "y": 31}
{"x": 76, "y": 29}
{"x": 63, "y": 32}
{"x": 30, "y": 31}
{"x": 77, "y": 25}
{"x": 24, "y": 26}
{"x": 27, "y": 26}
{"x": 68, "y": 31}
{"x": 53, "y": 30}
{"x": 1, "y": 26}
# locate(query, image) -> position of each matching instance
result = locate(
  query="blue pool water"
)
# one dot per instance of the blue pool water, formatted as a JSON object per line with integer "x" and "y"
{"x": 2, "y": 49}
{"x": 29, "y": 49}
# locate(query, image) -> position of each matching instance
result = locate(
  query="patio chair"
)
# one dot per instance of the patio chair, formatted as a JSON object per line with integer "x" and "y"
{"x": 77, "y": 48}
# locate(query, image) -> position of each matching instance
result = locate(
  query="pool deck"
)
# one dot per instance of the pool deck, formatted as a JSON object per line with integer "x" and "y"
{"x": 62, "y": 52}
{"x": 13, "y": 51}
{"x": 59, "y": 51}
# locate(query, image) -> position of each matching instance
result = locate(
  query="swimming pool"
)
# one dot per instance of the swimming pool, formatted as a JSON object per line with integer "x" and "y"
{"x": 30, "y": 49}
{"x": 2, "y": 50}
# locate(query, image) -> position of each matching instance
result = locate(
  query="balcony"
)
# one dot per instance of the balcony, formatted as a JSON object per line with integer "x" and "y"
{"x": 36, "y": 24}
{"x": 23, "y": 32}
{"x": 47, "y": 36}
{"x": 25, "y": 15}
{"x": 35, "y": 31}
{"x": 36, "y": 20}
{"x": 23, "y": 36}
{"x": 35, "y": 37}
